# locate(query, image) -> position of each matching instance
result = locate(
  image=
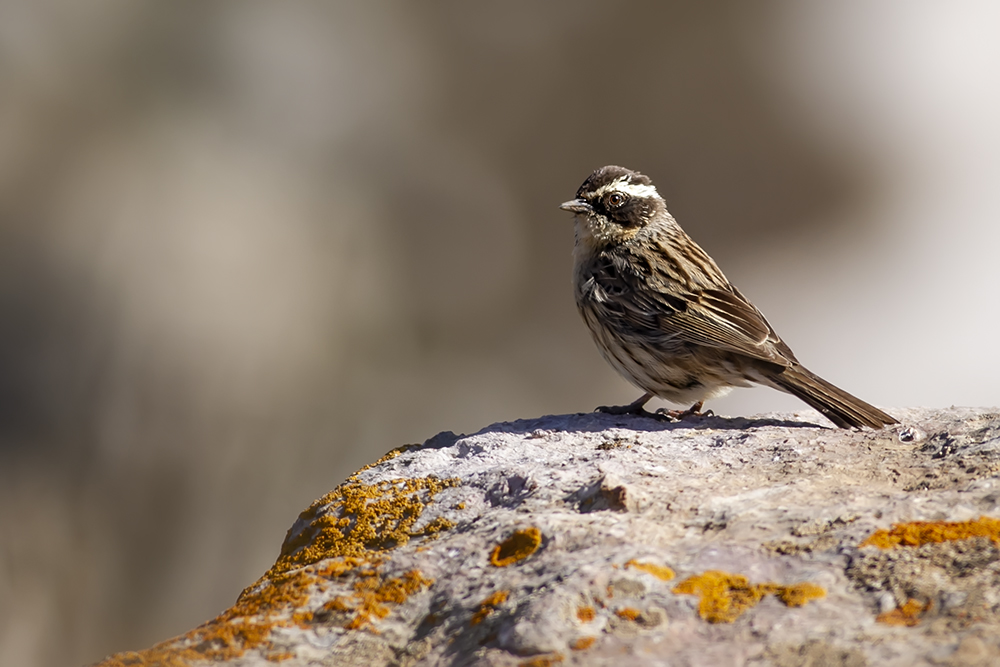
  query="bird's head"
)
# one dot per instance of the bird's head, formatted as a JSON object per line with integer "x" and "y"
{"x": 613, "y": 205}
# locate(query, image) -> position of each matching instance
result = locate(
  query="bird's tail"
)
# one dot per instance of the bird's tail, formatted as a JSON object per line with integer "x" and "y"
{"x": 837, "y": 405}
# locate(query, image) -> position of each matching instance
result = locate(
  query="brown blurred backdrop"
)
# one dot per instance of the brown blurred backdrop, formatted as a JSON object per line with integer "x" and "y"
{"x": 247, "y": 247}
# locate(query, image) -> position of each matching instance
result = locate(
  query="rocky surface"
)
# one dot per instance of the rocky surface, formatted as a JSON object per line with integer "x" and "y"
{"x": 619, "y": 540}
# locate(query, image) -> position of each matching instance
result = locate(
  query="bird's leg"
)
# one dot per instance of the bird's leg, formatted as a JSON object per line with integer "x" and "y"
{"x": 633, "y": 408}
{"x": 679, "y": 415}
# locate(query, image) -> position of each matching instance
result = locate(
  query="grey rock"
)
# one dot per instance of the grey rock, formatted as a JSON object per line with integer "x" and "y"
{"x": 403, "y": 564}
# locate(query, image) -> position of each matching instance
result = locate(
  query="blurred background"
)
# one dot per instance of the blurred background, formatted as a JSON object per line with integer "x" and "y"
{"x": 248, "y": 247}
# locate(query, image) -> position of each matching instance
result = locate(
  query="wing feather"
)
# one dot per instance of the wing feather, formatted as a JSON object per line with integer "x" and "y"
{"x": 718, "y": 317}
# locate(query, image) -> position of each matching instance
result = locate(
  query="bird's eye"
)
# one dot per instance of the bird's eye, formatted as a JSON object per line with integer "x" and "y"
{"x": 616, "y": 199}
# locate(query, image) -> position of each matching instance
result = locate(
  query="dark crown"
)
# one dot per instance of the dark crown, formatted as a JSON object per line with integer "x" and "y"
{"x": 609, "y": 174}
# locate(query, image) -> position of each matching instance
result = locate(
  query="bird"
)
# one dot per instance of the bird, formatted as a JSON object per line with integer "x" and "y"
{"x": 667, "y": 319}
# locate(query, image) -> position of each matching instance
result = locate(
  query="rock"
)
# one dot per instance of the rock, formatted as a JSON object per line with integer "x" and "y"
{"x": 618, "y": 540}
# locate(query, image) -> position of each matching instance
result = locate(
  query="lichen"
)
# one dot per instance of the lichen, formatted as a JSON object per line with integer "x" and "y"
{"x": 279, "y": 656}
{"x": 725, "y": 596}
{"x": 348, "y": 532}
{"x": 373, "y": 595}
{"x": 355, "y": 519}
{"x": 487, "y": 606}
{"x": 919, "y": 533}
{"x": 543, "y": 660}
{"x": 659, "y": 571}
{"x": 963, "y": 572}
{"x": 243, "y": 627}
{"x": 908, "y": 614}
{"x": 797, "y": 595}
{"x": 585, "y": 614}
{"x": 517, "y": 547}
{"x": 583, "y": 643}
{"x": 628, "y": 613}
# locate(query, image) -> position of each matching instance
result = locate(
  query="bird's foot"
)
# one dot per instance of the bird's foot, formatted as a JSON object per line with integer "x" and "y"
{"x": 681, "y": 415}
{"x": 633, "y": 408}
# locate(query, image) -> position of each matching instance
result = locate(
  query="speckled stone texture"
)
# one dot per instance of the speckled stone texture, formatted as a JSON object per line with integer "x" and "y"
{"x": 429, "y": 557}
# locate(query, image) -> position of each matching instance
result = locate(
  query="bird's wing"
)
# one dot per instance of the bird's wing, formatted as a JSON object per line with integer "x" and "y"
{"x": 725, "y": 319}
{"x": 718, "y": 317}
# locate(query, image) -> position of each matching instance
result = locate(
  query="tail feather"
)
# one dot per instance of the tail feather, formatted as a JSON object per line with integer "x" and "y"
{"x": 837, "y": 405}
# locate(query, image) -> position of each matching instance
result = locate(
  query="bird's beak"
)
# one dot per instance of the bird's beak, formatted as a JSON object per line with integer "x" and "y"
{"x": 576, "y": 206}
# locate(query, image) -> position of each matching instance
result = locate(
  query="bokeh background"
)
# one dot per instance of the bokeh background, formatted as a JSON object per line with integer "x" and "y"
{"x": 247, "y": 247}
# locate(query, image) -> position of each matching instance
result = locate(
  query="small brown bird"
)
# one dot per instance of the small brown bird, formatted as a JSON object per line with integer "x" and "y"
{"x": 667, "y": 319}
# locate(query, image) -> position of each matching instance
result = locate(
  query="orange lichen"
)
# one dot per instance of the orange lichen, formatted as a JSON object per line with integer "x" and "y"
{"x": 583, "y": 643}
{"x": 496, "y": 599}
{"x": 908, "y": 615}
{"x": 543, "y": 660}
{"x": 279, "y": 656}
{"x": 339, "y": 603}
{"x": 290, "y": 590}
{"x": 302, "y": 618}
{"x": 517, "y": 547}
{"x": 373, "y": 594}
{"x": 918, "y": 533}
{"x": 351, "y": 530}
{"x": 355, "y": 519}
{"x": 659, "y": 571}
{"x": 487, "y": 606}
{"x": 797, "y": 595}
{"x": 628, "y": 613}
{"x": 585, "y": 614}
{"x": 338, "y": 567}
{"x": 725, "y": 596}
{"x": 245, "y": 626}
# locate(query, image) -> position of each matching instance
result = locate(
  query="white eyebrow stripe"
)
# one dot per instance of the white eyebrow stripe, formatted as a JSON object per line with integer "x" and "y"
{"x": 623, "y": 186}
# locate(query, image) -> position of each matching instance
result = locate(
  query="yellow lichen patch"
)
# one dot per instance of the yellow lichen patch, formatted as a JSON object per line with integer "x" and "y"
{"x": 279, "y": 656}
{"x": 161, "y": 657}
{"x": 487, "y": 606}
{"x": 517, "y": 547}
{"x": 583, "y": 643}
{"x": 338, "y": 567}
{"x": 909, "y": 614}
{"x": 355, "y": 519}
{"x": 543, "y": 661}
{"x": 302, "y": 618}
{"x": 659, "y": 571}
{"x": 290, "y": 590}
{"x": 797, "y": 595}
{"x": 585, "y": 614}
{"x": 373, "y": 594}
{"x": 628, "y": 613}
{"x": 918, "y": 533}
{"x": 725, "y": 596}
{"x": 245, "y": 626}
{"x": 351, "y": 530}
{"x": 339, "y": 603}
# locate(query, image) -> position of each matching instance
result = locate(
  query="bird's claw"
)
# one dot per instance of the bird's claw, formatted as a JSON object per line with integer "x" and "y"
{"x": 633, "y": 408}
{"x": 637, "y": 408}
{"x": 680, "y": 415}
